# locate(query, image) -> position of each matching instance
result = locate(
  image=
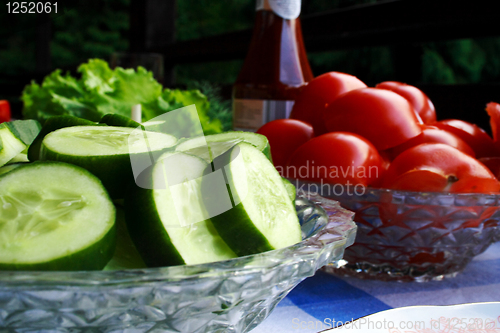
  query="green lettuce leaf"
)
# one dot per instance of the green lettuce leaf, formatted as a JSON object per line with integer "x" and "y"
{"x": 101, "y": 90}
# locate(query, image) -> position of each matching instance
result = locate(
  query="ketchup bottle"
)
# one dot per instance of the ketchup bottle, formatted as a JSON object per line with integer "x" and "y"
{"x": 275, "y": 69}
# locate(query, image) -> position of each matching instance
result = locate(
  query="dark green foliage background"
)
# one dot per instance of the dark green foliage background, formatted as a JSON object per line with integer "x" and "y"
{"x": 96, "y": 28}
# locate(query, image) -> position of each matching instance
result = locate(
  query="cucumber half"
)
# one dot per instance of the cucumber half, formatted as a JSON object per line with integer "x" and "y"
{"x": 113, "y": 119}
{"x": 168, "y": 223}
{"x": 9, "y": 167}
{"x": 262, "y": 217}
{"x": 220, "y": 143}
{"x": 54, "y": 216}
{"x": 126, "y": 255}
{"x": 51, "y": 124}
{"x": 15, "y": 137}
{"x": 106, "y": 151}
{"x": 290, "y": 188}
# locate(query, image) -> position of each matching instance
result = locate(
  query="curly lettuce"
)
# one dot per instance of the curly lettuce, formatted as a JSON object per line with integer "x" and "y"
{"x": 101, "y": 90}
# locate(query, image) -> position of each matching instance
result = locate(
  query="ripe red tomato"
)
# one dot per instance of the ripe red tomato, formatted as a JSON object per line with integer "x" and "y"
{"x": 473, "y": 135}
{"x": 336, "y": 158}
{"x": 432, "y": 134}
{"x": 420, "y": 102}
{"x": 381, "y": 116}
{"x": 493, "y": 110}
{"x": 438, "y": 167}
{"x": 492, "y": 163}
{"x": 4, "y": 111}
{"x": 285, "y": 136}
{"x": 312, "y": 100}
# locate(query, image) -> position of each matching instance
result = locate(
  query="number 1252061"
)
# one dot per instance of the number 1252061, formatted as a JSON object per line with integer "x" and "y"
{"x": 31, "y": 7}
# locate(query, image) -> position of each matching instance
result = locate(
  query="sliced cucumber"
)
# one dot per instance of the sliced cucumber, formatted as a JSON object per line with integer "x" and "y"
{"x": 106, "y": 151}
{"x": 19, "y": 158}
{"x": 50, "y": 125}
{"x": 263, "y": 217}
{"x": 126, "y": 255}
{"x": 290, "y": 188}
{"x": 15, "y": 137}
{"x": 113, "y": 119}
{"x": 9, "y": 167}
{"x": 10, "y": 146}
{"x": 168, "y": 224}
{"x": 220, "y": 143}
{"x": 155, "y": 125}
{"x": 54, "y": 216}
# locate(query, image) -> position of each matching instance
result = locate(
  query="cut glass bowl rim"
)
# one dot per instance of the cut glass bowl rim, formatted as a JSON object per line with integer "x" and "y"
{"x": 309, "y": 249}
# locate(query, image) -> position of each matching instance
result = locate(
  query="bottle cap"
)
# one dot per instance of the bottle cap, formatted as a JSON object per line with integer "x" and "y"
{"x": 287, "y": 9}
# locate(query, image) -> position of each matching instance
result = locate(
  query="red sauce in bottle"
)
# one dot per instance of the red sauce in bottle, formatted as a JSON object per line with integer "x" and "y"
{"x": 275, "y": 69}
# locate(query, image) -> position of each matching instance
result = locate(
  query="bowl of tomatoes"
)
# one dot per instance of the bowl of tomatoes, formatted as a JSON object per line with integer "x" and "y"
{"x": 426, "y": 193}
{"x": 417, "y": 236}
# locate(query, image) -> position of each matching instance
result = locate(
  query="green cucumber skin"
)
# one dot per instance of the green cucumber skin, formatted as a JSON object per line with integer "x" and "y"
{"x": 213, "y": 138}
{"x": 9, "y": 167}
{"x": 144, "y": 231}
{"x": 52, "y": 124}
{"x": 234, "y": 234}
{"x": 24, "y": 130}
{"x": 114, "y": 176}
{"x": 267, "y": 147}
{"x": 113, "y": 119}
{"x": 94, "y": 257}
{"x": 290, "y": 188}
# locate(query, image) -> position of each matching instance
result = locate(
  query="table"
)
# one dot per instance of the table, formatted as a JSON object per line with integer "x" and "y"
{"x": 320, "y": 300}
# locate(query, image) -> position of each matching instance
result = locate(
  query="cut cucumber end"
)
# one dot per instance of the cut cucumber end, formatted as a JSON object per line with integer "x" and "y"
{"x": 52, "y": 124}
{"x": 168, "y": 223}
{"x": 220, "y": 143}
{"x": 54, "y": 216}
{"x": 290, "y": 189}
{"x": 15, "y": 137}
{"x": 106, "y": 151}
{"x": 263, "y": 217}
{"x": 9, "y": 167}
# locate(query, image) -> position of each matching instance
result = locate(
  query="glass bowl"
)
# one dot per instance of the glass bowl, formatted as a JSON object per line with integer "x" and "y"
{"x": 227, "y": 296}
{"x": 414, "y": 236}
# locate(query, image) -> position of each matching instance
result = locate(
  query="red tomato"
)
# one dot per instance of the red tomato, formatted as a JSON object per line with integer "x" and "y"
{"x": 420, "y": 102}
{"x": 383, "y": 117}
{"x": 312, "y": 100}
{"x": 473, "y": 135}
{"x": 493, "y": 110}
{"x": 285, "y": 136}
{"x": 337, "y": 158}
{"x": 492, "y": 163}
{"x": 4, "y": 111}
{"x": 438, "y": 167}
{"x": 386, "y": 162}
{"x": 432, "y": 134}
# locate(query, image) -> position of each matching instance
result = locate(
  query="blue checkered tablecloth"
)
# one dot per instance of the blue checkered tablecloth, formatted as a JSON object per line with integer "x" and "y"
{"x": 324, "y": 299}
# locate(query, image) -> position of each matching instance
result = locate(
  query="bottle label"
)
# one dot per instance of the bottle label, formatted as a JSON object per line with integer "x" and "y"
{"x": 250, "y": 114}
{"x": 287, "y": 9}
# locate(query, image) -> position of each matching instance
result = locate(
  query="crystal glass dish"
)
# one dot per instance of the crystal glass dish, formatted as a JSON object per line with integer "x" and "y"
{"x": 227, "y": 296}
{"x": 416, "y": 236}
